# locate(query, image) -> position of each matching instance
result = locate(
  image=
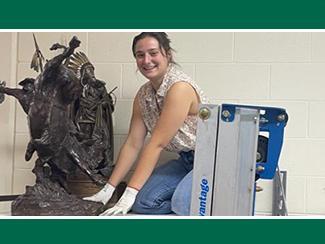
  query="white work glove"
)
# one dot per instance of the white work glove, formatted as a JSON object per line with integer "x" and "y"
{"x": 103, "y": 195}
{"x": 124, "y": 205}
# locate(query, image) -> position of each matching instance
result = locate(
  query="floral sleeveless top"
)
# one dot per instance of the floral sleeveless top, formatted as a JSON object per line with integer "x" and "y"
{"x": 152, "y": 102}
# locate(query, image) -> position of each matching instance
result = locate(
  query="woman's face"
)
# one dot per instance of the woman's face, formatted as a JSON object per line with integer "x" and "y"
{"x": 151, "y": 60}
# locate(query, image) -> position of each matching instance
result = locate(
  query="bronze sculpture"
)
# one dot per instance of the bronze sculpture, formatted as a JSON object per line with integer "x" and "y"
{"x": 92, "y": 111}
{"x": 70, "y": 122}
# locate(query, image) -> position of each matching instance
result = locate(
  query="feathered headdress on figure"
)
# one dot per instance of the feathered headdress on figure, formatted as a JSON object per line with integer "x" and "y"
{"x": 78, "y": 61}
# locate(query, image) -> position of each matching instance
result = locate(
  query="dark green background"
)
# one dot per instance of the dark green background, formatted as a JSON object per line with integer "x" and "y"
{"x": 163, "y": 14}
{"x": 166, "y": 14}
{"x": 181, "y": 231}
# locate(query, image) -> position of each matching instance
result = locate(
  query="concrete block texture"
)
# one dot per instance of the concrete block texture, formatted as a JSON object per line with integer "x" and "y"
{"x": 316, "y": 120}
{"x": 111, "y": 74}
{"x": 122, "y": 116}
{"x": 296, "y": 194}
{"x": 132, "y": 80}
{"x": 26, "y": 46}
{"x": 7, "y": 116}
{"x": 6, "y": 159}
{"x": 22, "y": 178}
{"x": 5, "y": 53}
{"x": 315, "y": 195}
{"x": 318, "y": 48}
{"x": 111, "y": 47}
{"x": 234, "y": 81}
{"x": 303, "y": 157}
{"x": 203, "y": 47}
{"x": 297, "y": 81}
{"x": 21, "y": 141}
{"x": 272, "y": 47}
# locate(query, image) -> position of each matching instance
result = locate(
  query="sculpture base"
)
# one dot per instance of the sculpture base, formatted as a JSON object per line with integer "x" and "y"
{"x": 81, "y": 185}
{"x": 50, "y": 199}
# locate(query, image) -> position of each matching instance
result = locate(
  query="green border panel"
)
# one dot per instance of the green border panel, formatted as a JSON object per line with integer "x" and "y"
{"x": 167, "y": 14}
{"x": 162, "y": 231}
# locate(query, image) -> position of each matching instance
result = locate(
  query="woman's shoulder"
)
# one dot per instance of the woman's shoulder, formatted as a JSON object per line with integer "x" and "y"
{"x": 173, "y": 75}
{"x": 177, "y": 74}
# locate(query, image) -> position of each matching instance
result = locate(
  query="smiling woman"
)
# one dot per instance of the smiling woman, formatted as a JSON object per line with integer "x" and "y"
{"x": 153, "y": 54}
{"x": 165, "y": 108}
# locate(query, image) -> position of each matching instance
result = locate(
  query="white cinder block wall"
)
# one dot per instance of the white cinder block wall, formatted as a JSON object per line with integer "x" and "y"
{"x": 277, "y": 69}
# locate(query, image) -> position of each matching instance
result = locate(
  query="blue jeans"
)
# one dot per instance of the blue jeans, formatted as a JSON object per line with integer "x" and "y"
{"x": 168, "y": 189}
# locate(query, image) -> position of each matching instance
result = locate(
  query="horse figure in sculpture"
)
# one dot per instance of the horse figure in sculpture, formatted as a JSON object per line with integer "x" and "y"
{"x": 47, "y": 101}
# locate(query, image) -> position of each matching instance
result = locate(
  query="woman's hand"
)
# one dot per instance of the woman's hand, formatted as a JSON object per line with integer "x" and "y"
{"x": 124, "y": 205}
{"x": 103, "y": 196}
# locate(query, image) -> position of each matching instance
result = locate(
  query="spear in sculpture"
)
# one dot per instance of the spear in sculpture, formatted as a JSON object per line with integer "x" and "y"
{"x": 38, "y": 58}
